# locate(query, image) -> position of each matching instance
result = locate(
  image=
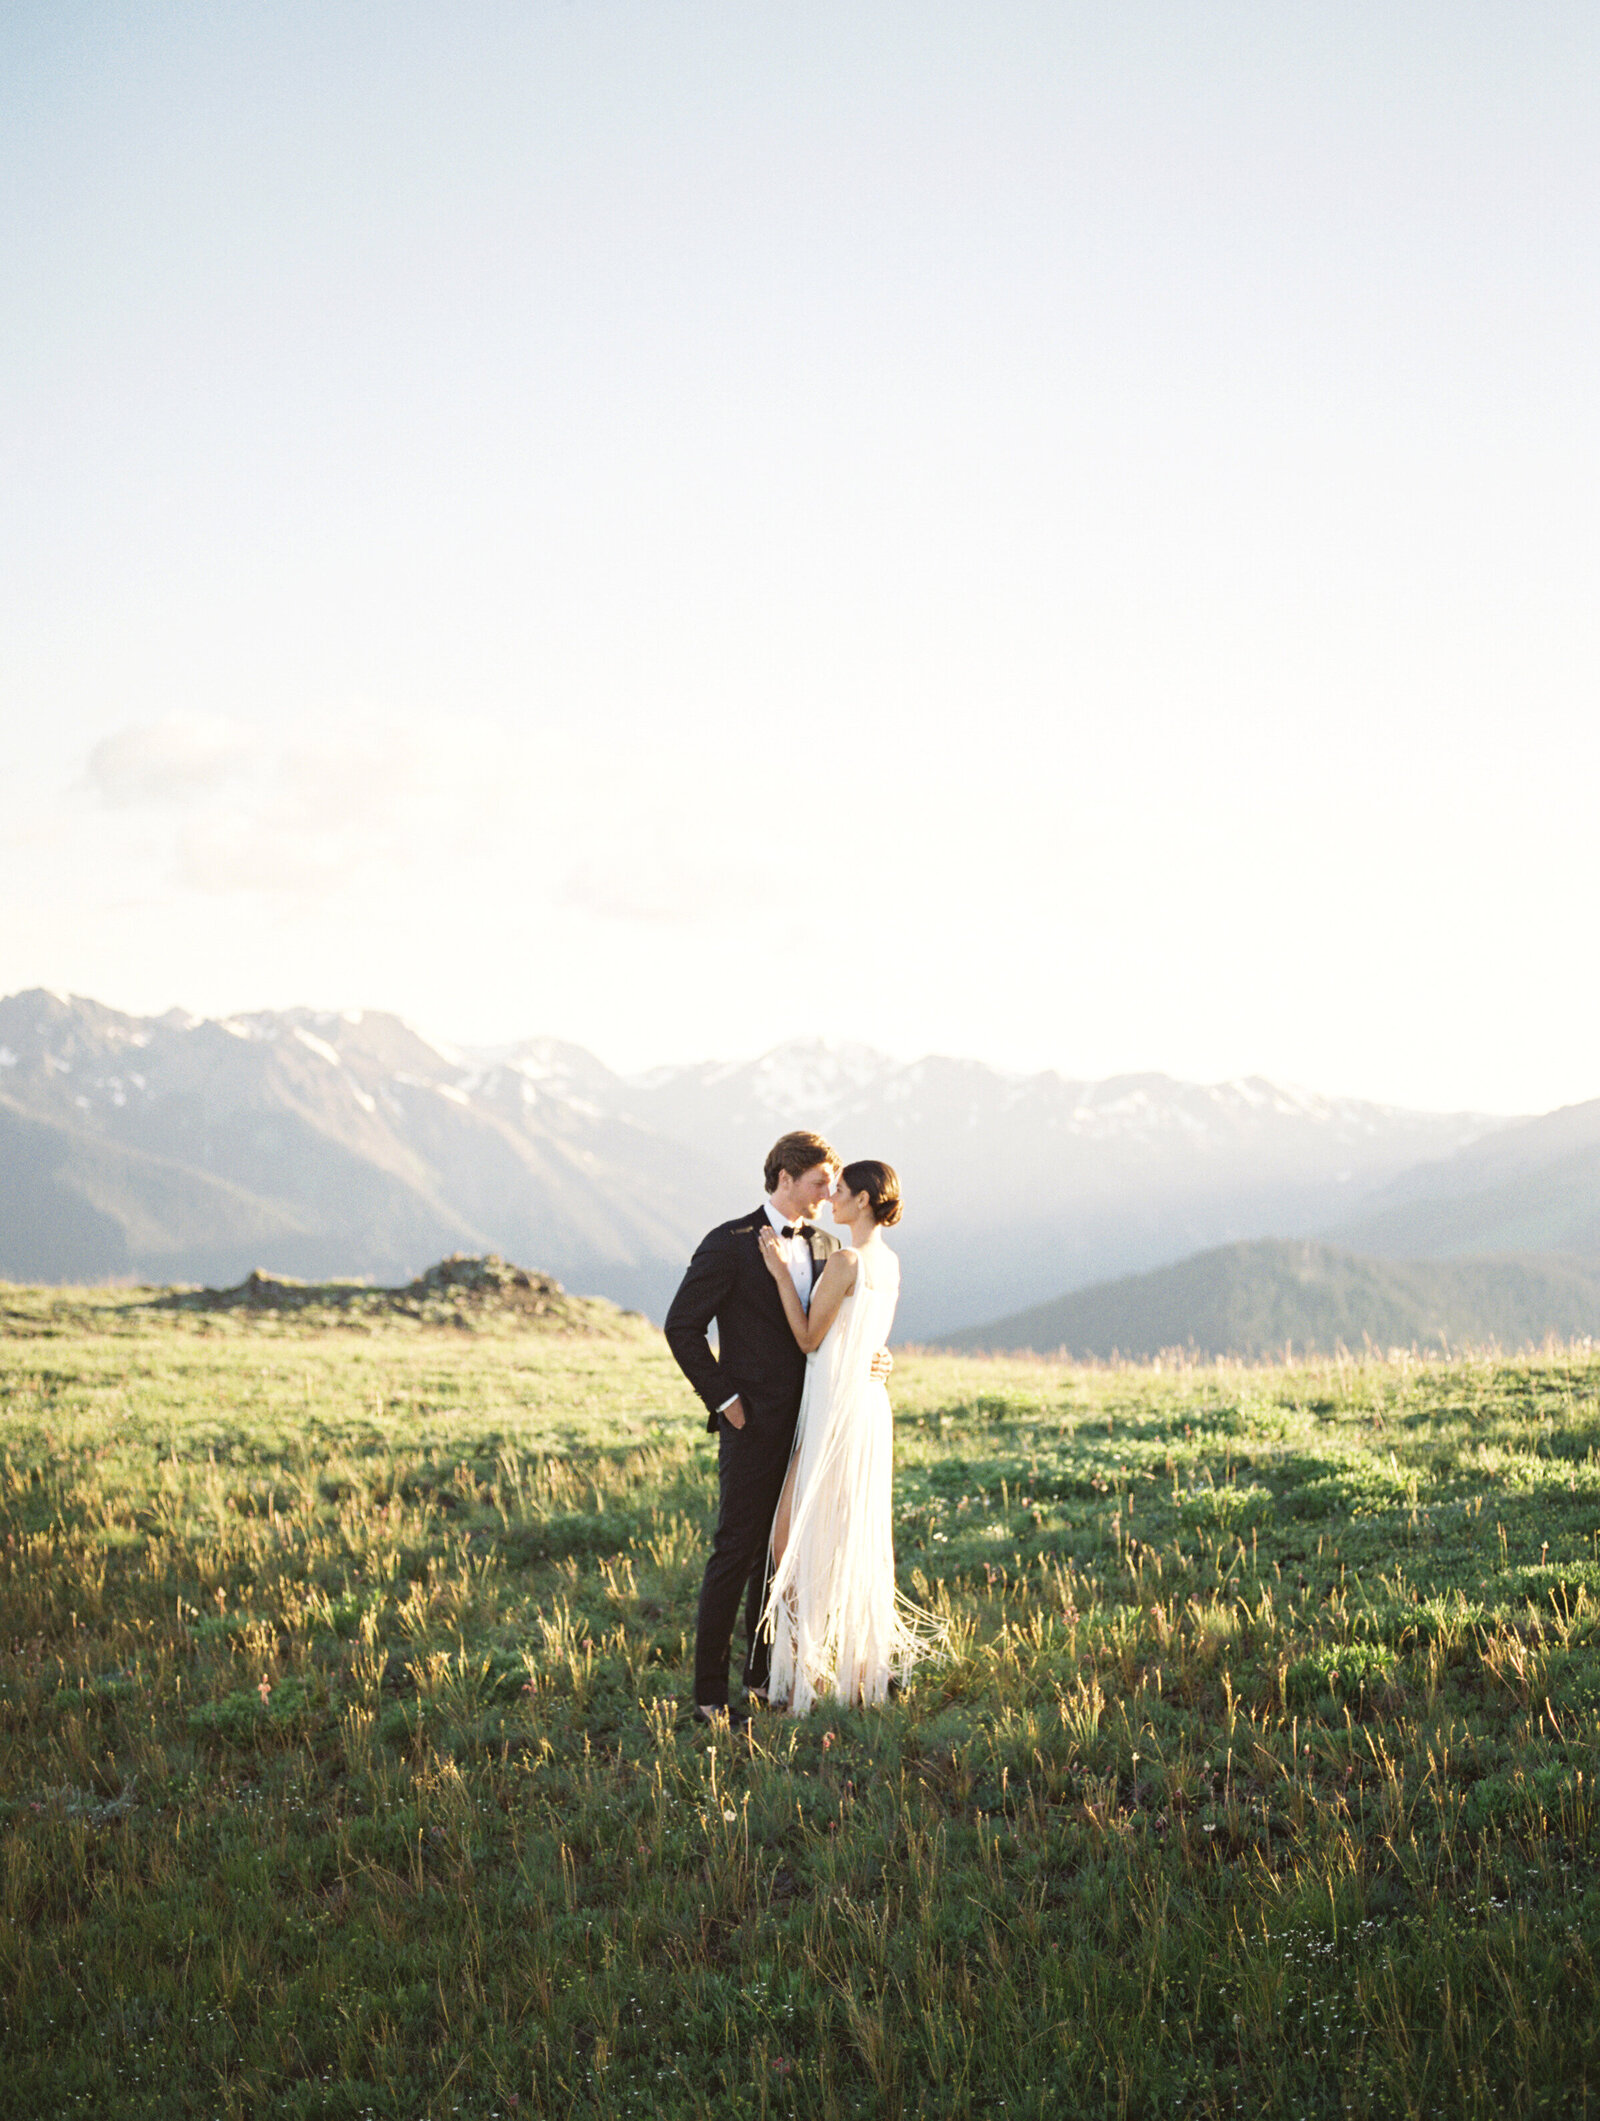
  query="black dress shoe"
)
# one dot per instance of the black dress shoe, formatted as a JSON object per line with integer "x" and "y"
{"x": 720, "y": 1717}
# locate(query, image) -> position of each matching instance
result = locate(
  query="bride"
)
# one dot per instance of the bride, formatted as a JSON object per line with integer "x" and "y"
{"x": 837, "y": 1624}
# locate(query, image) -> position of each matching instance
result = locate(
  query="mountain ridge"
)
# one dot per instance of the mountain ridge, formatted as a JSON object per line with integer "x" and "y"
{"x": 320, "y": 1143}
{"x": 1532, "y": 1186}
{"x": 1271, "y": 1295}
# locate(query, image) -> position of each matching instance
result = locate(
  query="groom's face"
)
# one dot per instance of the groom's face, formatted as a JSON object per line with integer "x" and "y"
{"x": 807, "y": 1192}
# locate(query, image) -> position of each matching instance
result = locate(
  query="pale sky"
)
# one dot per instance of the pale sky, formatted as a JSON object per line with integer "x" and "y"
{"x": 1065, "y": 534}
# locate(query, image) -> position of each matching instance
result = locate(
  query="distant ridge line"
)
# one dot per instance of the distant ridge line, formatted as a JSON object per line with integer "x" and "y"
{"x": 329, "y": 1142}
{"x": 1251, "y": 1300}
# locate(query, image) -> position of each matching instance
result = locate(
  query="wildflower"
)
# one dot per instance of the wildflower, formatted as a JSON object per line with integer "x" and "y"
{"x": 265, "y": 1690}
{"x": 827, "y": 1740}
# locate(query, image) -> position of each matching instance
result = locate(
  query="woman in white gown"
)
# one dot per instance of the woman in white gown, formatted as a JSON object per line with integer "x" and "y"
{"x": 837, "y": 1624}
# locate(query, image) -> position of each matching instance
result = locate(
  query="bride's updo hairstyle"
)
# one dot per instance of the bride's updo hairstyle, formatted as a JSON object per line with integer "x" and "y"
{"x": 879, "y": 1183}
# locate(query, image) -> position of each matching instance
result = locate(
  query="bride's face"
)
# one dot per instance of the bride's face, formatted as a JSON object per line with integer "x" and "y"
{"x": 845, "y": 1206}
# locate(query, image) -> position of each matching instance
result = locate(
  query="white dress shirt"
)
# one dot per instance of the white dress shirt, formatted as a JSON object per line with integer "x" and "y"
{"x": 797, "y": 1251}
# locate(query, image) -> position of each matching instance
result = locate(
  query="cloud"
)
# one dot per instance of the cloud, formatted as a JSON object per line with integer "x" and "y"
{"x": 312, "y": 806}
{"x": 178, "y": 759}
{"x": 361, "y": 816}
{"x": 656, "y": 883}
{"x": 231, "y": 850}
{"x": 344, "y": 805}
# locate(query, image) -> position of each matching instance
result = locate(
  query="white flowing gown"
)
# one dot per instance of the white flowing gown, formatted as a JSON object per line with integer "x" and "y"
{"x": 838, "y": 1627}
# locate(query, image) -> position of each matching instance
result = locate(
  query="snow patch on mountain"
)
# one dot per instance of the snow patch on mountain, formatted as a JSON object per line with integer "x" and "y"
{"x": 318, "y": 1046}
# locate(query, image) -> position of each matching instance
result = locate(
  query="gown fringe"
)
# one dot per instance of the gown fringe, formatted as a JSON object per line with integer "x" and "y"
{"x": 838, "y": 1624}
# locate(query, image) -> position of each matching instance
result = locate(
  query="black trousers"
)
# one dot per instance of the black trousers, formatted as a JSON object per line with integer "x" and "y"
{"x": 751, "y": 1464}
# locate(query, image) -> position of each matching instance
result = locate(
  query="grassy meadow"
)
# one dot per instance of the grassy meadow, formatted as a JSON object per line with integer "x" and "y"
{"x": 344, "y": 1770}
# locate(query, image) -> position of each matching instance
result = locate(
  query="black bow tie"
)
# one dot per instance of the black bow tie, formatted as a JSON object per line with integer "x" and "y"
{"x": 793, "y": 1230}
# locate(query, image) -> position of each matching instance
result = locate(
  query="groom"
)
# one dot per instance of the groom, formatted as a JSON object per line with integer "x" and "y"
{"x": 751, "y": 1388}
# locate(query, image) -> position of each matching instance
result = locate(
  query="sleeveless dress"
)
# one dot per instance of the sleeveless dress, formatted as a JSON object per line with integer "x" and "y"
{"x": 837, "y": 1624}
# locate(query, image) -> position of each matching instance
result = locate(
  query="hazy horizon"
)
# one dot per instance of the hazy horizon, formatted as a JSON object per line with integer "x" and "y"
{"x": 1066, "y": 535}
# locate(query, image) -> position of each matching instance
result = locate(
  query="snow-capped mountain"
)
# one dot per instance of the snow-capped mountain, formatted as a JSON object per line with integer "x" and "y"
{"x": 177, "y": 1147}
{"x": 1038, "y": 1183}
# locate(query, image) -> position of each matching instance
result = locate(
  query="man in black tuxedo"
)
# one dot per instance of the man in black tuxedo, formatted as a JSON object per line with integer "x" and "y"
{"x": 751, "y": 1389}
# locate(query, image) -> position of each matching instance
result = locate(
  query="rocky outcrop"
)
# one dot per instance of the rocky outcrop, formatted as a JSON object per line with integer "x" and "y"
{"x": 467, "y": 1289}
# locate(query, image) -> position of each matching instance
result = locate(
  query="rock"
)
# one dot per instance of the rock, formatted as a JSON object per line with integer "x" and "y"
{"x": 485, "y": 1274}
{"x": 462, "y": 1290}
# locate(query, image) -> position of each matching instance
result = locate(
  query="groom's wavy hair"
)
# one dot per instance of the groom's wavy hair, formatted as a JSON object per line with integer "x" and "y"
{"x": 879, "y": 1182}
{"x": 797, "y": 1154}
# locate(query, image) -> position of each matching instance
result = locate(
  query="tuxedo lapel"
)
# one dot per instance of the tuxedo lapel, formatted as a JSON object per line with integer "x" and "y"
{"x": 769, "y": 1298}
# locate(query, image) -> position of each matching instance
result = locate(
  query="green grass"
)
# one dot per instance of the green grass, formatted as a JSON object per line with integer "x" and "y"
{"x": 343, "y": 1771}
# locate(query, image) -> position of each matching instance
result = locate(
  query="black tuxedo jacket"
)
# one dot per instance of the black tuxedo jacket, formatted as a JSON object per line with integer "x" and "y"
{"x": 758, "y": 1356}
